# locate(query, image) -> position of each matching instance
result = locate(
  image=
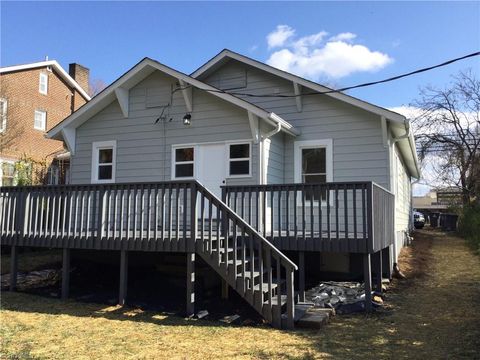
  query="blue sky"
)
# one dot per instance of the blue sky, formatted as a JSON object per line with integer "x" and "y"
{"x": 335, "y": 43}
{"x": 110, "y": 37}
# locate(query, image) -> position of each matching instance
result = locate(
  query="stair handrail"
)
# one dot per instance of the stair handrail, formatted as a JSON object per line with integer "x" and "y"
{"x": 238, "y": 218}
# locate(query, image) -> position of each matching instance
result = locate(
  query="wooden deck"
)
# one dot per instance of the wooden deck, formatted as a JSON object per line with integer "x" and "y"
{"x": 241, "y": 236}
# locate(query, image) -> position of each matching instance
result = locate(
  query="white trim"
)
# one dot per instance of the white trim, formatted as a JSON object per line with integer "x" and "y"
{"x": 228, "y": 159}
{"x": 3, "y": 119}
{"x": 174, "y": 162}
{"x": 51, "y": 63}
{"x": 43, "y": 76}
{"x": 311, "y": 144}
{"x": 43, "y": 118}
{"x": 297, "y": 162}
{"x": 101, "y": 145}
{"x": 122, "y": 97}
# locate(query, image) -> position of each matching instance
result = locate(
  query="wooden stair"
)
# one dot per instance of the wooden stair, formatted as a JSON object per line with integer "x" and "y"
{"x": 249, "y": 263}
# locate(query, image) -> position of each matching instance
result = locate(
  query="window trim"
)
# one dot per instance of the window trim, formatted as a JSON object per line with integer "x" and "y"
{"x": 313, "y": 144}
{"x": 3, "y": 120}
{"x": 102, "y": 145}
{"x": 174, "y": 162}
{"x": 44, "y": 76}
{"x": 11, "y": 162}
{"x": 44, "y": 119}
{"x": 228, "y": 159}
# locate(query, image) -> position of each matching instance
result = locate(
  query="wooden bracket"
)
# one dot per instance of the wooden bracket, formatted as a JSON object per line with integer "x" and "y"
{"x": 187, "y": 92}
{"x": 297, "y": 89}
{"x": 122, "y": 97}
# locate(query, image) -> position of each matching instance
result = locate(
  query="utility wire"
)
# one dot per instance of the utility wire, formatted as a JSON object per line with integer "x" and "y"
{"x": 331, "y": 91}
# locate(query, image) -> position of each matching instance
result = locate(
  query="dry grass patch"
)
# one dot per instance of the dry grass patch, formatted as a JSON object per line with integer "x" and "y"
{"x": 432, "y": 315}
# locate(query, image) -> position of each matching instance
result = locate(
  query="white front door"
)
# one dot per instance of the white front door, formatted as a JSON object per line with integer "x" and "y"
{"x": 212, "y": 167}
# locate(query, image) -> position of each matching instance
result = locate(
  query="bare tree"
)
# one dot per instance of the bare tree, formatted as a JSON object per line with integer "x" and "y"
{"x": 96, "y": 86}
{"x": 448, "y": 132}
{"x": 14, "y": 129}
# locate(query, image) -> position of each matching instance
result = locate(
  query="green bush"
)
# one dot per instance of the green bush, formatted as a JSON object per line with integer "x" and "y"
{"x": 469, "y": 226}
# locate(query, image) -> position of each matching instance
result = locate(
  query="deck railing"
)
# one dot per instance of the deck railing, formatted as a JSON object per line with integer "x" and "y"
{"x": 347, "y": 216}
{"x": 163, "y": 216}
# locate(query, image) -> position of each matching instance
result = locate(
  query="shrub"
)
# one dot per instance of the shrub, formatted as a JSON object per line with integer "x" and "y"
{"x": 469, "y": 226}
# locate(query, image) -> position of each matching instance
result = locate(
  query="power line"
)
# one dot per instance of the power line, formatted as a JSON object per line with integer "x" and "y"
{"x": 331, "y": 91}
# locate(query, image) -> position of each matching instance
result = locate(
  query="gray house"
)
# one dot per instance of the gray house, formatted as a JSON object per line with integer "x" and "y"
{"x": 250, "y": 167}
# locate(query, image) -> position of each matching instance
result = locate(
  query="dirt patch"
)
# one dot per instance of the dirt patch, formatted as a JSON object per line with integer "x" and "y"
{"x": 414, "y": 260}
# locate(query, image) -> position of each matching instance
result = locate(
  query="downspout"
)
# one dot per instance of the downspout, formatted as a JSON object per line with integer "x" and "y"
{"x": 277, "y": 129}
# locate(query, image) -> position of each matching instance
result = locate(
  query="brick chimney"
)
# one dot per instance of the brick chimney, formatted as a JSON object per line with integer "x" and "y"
{"x": 81, "y": 75}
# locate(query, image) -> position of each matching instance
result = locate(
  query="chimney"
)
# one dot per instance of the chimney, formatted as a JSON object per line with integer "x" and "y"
{"x": 81, "y": 75}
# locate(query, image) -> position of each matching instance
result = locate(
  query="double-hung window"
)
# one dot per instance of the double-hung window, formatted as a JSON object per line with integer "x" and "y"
{"x": 3, "y": 115}
{"x": 239, "y": 160}
{"x": 40, "y": 120}
{"x": 8, "y": 174}
{"x": 313, "y": 164}
{"x": 184, "y": 162}
{"x": 103, "y": 161}
{"x": 43, "y": 84}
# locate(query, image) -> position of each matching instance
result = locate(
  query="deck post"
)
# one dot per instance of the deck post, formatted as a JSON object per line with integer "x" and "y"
{"x": 190, "y": 308}
{"x": 13, "y": 267}
{"x": 65, "y": 273}
{"x": 389, "y": 265}
{"x": 224, "y": 289}
{"x": 122, "y": 295}
{"x": 378, "y": 271}
{"x": 367, "y": 274}
{"x": 301, "y": 275}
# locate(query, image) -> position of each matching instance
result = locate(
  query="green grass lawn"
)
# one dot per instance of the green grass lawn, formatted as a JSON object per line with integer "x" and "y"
{"x": 422, "y": 321}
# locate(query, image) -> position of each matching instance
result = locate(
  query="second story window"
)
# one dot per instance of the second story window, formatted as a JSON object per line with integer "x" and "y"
{"x": 40, "y": 121}
{"x": 3, "y": 115}
{"x": 43, "y": 85}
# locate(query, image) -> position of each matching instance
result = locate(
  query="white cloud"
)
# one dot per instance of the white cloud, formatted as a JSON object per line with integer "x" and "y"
{"x": 312, "y": 57}
{"x": 279, "y": 36}
{"x": 346, "y": 36}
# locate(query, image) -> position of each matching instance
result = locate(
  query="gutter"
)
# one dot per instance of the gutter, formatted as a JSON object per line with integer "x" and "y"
{"x": 408, "y": 135}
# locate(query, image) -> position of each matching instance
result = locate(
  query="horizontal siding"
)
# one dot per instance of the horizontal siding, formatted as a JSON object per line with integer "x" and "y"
{"x": 358, "y": 152}
{"x": 403, "y": 206}
{"x": 144, "y": 147}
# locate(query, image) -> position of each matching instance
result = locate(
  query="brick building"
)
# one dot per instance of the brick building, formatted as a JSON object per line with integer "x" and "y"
{"x": 34, "y": 98}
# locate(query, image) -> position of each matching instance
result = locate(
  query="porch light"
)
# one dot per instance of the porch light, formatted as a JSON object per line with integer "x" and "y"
{"x": 187, "y": 119}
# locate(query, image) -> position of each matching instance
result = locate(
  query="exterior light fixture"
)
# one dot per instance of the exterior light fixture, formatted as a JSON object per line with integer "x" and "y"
{"x": 187, "y": 119}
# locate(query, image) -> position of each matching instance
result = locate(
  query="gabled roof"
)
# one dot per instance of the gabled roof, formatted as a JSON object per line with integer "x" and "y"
{"x": 226, "y": 54}
{"x": 118, "y": 90}
{"x": 49, "y": 63}
{"x": 397, "y": 120}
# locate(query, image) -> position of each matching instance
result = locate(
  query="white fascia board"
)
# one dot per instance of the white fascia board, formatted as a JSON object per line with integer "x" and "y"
{"x": 301, "y": 81}
{"x": 55, "y": 65}
{"x": 407, "y": 147}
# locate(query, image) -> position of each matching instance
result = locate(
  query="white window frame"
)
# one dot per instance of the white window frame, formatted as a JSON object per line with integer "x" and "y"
{"x": 43, "y": 81}
{"x": 43, "y": 115}
{"x": 327, "y": 144}
{"x": 96, "y": 147}
{"x": 228, "y": 159}
{"x": 174, "y": 162}
{"x": 3, "y": 120}
{"x": 2, "y": 161}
